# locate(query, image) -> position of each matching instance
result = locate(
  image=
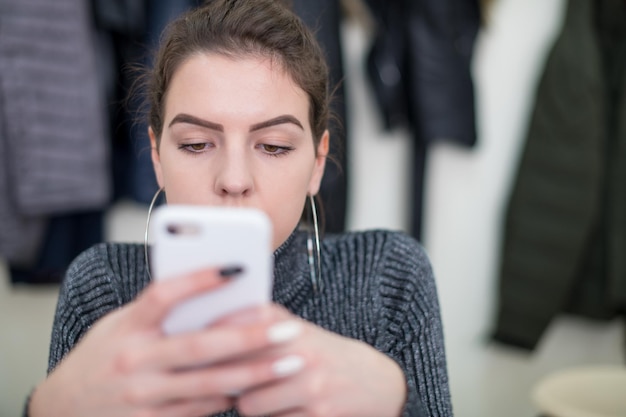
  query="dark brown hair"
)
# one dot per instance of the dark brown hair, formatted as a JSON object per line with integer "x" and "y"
{"x": 264, "y": 28}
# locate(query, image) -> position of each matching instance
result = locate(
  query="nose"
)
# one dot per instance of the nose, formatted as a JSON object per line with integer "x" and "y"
{"x": 234, "y": 177}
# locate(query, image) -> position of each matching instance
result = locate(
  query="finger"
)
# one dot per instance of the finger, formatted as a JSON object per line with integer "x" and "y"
{"x": 195, "y": 408}
{"x": 256, "y": 314}
{"x": 292, "y": 413}
{"x": 219, "y": 344}
{"x": 162, "y": 392}
{"x": 225, "y": 380}
{"x": 155, "y": 302}
{"x": 283, "y": 396}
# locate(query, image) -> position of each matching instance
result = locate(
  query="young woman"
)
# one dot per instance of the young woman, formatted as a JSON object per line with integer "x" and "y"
{"x": 238, "y": 115}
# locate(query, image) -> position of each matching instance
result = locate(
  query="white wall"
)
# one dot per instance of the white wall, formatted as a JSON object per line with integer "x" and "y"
{"x": 466, "y": 191}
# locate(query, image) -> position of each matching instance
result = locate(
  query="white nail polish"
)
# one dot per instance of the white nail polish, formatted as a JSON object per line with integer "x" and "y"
{"x": 284, "y": 332}
{"x": 233, "y": 393}
{"x": 288, "y": 365}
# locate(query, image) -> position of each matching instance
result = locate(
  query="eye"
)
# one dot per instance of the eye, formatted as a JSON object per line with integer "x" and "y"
{"x": 271, "y": 148}
{"x": 275, "y": 150}
{"x": 195, "y": 147}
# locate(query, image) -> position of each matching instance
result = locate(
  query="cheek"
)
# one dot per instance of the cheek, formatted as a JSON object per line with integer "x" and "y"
{"x": 285, "y": 217}
{"x": 283, "y": 201}
{"x": 182, "y": 181}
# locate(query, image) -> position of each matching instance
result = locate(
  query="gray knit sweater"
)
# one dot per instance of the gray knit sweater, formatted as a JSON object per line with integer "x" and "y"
{"x": 378, "y": 287}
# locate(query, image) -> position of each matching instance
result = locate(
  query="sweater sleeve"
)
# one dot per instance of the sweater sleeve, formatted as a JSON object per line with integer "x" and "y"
{"x": 414, "y": 334}
{"x": 98, "y": 281}
{"x": 86, "y": 295}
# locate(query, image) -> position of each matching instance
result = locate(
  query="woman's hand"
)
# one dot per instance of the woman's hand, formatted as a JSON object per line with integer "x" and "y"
{"x": 331, "y": 376}
{"x": 264, "y": 361}
{"x": 126, "y": 366}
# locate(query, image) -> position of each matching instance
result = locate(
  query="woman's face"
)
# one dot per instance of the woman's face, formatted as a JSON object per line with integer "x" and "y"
{"x": 236, "y": 132}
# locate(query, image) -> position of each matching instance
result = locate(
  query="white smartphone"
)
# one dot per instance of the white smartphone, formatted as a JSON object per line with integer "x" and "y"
{"x": 190, "y": 238}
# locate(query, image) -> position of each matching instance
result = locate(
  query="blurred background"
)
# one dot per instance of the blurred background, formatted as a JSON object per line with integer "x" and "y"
{"x": 488, "y": 130}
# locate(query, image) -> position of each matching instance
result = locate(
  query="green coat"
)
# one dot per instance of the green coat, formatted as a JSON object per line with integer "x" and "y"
{"x": 564, "y": 242}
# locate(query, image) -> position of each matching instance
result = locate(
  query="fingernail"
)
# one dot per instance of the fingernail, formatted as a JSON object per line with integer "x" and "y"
{"x": 230, "y": 272}
{"x": 284, "y": 332}
{"x": 288, "y": 365}
{"x": 233, "y": 393}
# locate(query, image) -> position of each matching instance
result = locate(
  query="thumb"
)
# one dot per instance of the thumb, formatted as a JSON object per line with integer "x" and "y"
{"x": 155, "y": 302}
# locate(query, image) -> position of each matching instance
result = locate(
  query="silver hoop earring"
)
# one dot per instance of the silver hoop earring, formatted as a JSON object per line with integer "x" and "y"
{"x": 145, "y": 235}
{"x": 314, "y": 255}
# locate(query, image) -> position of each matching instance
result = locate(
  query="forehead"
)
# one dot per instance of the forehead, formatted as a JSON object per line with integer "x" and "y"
{"x": 217, "y": 83}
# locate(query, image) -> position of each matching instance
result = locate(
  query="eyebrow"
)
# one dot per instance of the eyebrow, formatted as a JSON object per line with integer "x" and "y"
{"x": 193, "y": 120}
{"x": 285, "y": 118}
{"x": 187, "y": 118}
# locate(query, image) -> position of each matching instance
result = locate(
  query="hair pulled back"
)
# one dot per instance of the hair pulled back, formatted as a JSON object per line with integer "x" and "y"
{"x": 239, "y": 28}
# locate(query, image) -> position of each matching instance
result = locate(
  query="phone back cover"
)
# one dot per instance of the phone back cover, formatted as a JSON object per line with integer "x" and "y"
{"x": 212, "y": 237}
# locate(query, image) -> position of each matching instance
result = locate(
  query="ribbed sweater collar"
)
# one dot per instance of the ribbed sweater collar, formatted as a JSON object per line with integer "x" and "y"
{"x": 292, "y": 284}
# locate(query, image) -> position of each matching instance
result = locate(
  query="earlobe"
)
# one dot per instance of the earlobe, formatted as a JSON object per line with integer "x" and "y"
{"x": 156, "y": 158}
{"x": 320, "y": 163}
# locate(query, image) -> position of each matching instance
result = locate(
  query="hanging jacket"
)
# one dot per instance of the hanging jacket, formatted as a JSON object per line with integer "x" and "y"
{"x": 420, "y": 66}
{"x": 54, "y": 152}
{"x": 564, "y": 233}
